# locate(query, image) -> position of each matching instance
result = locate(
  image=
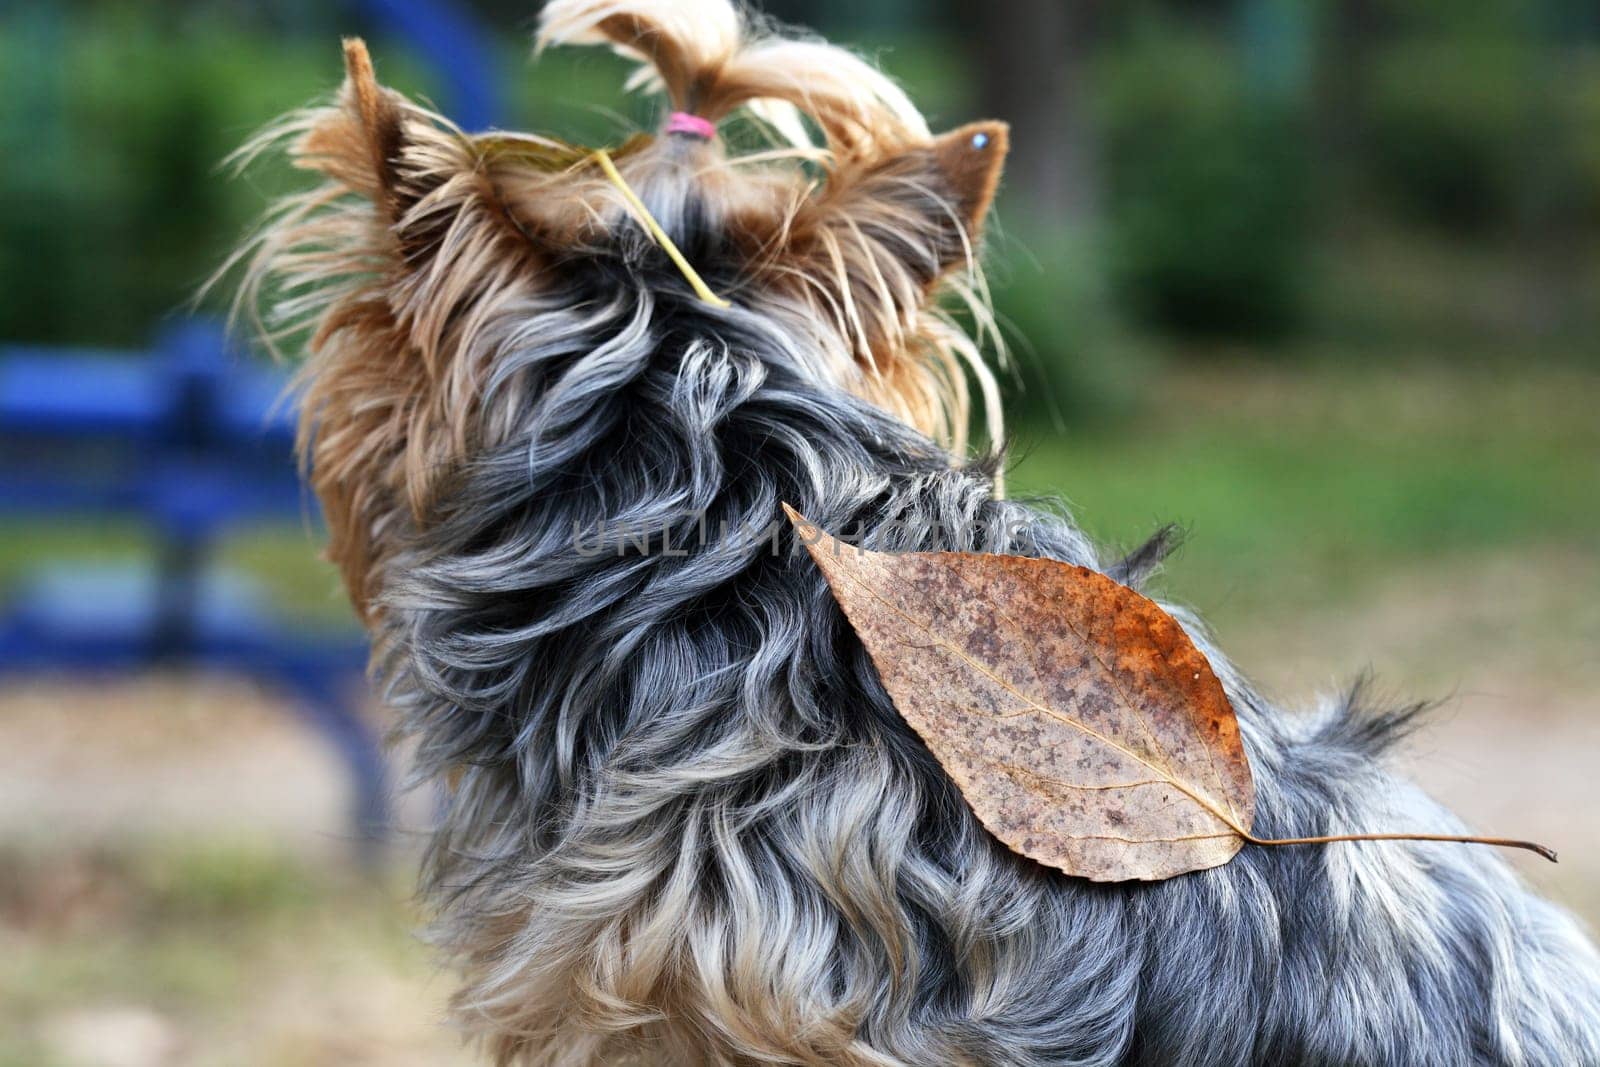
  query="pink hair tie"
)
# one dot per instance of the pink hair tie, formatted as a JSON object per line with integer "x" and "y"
{"x": 693, "y": 125}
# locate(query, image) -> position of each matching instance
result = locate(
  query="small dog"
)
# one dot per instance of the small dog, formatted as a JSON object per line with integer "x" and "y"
{"x": 684, "y": 822}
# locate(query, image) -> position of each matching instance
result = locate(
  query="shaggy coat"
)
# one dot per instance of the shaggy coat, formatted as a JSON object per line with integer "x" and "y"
{"x": 684, "y": 823}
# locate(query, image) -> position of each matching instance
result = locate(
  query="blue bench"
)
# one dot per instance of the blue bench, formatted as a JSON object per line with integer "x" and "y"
{"x": 193, "y": 442}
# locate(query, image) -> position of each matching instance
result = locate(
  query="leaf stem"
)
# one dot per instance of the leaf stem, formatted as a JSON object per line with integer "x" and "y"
{"x": 1503, "y": 842}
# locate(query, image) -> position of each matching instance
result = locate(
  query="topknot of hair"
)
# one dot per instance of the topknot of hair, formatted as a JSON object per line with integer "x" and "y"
{"x": 710, "y": 58}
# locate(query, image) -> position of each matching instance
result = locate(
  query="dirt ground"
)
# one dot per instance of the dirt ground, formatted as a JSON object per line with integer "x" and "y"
{"x": 176, "y": 887}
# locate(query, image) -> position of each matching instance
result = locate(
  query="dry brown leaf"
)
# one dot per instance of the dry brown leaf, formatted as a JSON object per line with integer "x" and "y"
{"x": 1079, "y": 721}
{"x": 1083, "y": 727}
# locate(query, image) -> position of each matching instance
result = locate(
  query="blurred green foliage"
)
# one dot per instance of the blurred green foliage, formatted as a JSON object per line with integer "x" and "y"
{"x": 1206, "y": 190}
{"x": 1071, "y": 361}
{"x": 113, "y": 209}
{"x": 1450, "y": 122}
{"x": 1461, "y": 211}
{"x": 1309, "y": 486}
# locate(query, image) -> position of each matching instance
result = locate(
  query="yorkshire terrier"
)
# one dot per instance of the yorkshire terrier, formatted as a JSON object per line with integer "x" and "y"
{"x": 552, "y": 402}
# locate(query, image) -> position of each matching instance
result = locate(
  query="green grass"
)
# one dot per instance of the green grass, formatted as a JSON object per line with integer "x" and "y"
{"x": 205, "y": 933}
{"x": 284, "y": 559}
{"x": 1309, "y": 485}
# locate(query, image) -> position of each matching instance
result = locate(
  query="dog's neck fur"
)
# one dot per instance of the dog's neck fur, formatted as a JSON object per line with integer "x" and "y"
{"x": 686, "y": 819}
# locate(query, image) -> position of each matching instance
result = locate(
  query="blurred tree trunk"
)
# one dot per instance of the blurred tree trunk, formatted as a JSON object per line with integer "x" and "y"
{"x": 1550, "y": 208}
{"x": 1032, "y": 64}
{"x": 1351, "y": 31}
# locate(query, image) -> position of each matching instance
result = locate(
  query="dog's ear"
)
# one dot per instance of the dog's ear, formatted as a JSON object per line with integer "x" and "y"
{"x": 969, "y": 161}
{"x": 873, "y": 244}
{"x": 922, "y": 206}
{"x": 377, "y": 110}
{"x": 400, "y": 262}
{"x": 425, "y": 177}
{"x": 439, "y": 232}
{"x": 359, "y": 144}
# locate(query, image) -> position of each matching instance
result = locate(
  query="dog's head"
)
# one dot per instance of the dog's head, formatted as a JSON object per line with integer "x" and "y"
{"x": 431, "y": 262}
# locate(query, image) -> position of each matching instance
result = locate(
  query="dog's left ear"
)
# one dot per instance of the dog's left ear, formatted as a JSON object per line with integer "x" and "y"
{"x": 424, "y": 178}
{"x": 401, "y": 260}
{"x": 360, "y": 144}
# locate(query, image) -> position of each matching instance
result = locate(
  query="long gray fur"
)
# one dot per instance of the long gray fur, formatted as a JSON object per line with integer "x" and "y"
{"x": 671, "y": 765}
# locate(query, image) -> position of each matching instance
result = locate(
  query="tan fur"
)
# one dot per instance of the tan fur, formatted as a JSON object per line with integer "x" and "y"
{"x": 423, "y": 237}
{"x": 397, "y": 263}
